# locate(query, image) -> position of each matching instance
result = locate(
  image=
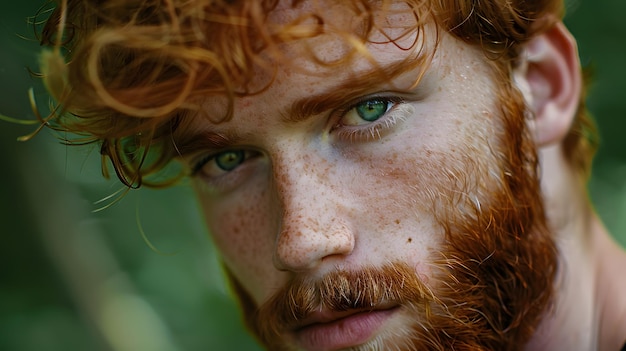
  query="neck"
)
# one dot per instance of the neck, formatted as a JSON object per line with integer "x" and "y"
{"x": 589, "y": 309}
{"x": 610, "y": 290}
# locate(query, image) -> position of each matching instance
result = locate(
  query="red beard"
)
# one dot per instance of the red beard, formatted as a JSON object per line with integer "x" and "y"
{"x": 493, "y": 278}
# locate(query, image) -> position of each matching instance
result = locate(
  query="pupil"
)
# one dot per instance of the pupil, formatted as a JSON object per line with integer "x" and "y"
{"x": 229, "y": 160}
{"x": 372, "y": 110}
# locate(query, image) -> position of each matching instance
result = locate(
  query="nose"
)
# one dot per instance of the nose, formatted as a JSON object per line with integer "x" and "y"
{"x": 314, "y": 221}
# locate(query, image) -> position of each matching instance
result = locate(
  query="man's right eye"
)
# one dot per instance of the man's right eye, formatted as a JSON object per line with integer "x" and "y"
{"x": 223, "y": 162}
{"x": 229, "y": 160}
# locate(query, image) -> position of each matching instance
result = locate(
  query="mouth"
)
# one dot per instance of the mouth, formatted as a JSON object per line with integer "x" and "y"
{"x": 327, "y": 330}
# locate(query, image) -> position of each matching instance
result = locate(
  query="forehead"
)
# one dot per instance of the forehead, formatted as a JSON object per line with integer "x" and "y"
{"x": 328, "y": 40}
{"x": 331, "y": 31}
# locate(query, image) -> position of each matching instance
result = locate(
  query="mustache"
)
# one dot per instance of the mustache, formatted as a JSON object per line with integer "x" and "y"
{"x": 369, "y": 288}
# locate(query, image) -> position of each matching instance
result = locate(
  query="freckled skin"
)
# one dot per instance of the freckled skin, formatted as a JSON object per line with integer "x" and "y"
{"x": 313, "y": 202}
{"x": 314, "y": 206}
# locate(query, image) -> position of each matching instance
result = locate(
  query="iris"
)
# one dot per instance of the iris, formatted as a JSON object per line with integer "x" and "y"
{"x": 229, "y": 160}
{"x": 372, "y": 110}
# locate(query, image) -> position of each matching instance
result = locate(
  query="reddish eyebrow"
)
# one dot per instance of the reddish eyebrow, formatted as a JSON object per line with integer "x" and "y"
{"x": 204, "y": 141}
{"x": 356, "y": 85}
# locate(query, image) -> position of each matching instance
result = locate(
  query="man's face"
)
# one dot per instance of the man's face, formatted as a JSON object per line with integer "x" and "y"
{"x": 351, "y": 210}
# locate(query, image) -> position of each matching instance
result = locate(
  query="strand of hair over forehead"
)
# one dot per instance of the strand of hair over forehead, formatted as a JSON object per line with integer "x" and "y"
{"x": 136, "y": 68}
{"x": 175, "y": 39}
{"x": 172, "y": 35}
{"x": 147, "y": 63}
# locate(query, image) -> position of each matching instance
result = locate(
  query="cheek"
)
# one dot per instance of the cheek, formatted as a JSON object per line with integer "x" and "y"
{"x": 425, "y": 168}
{"x": 233, "y": 233}
{"x": 400, "y": 182}
{"x": 242, "y": 232}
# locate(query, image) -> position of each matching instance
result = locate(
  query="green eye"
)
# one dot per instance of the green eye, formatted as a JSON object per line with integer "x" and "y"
{"x": 372, "y": 110}
{"x": 229, "y": 160}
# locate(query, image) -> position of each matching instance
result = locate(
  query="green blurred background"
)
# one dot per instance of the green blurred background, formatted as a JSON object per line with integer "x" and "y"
{"x": 72, "y": 279}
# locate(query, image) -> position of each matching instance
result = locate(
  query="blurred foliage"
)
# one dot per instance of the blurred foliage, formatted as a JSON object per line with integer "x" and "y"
{"x": 72, "y": 279}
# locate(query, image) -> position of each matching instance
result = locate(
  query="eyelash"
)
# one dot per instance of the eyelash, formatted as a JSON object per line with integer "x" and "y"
{"x": 372, "y": 130}
{"x": 218, "y": 180}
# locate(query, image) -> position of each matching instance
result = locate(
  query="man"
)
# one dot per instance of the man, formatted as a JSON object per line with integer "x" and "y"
{"x": 377, "y": 175}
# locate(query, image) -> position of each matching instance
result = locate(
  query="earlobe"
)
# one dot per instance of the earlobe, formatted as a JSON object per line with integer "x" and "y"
{"x": 552, "y": 82}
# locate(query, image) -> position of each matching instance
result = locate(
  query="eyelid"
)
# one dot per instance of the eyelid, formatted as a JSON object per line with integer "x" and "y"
{"x": 371, "y": 130}
{"x": 198, "y": 162}
{"x": 217, "y": 181}
{"x": 391, "y": 97}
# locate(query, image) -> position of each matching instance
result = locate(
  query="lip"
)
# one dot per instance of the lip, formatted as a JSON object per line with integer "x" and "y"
{"x": 327, "y": 331}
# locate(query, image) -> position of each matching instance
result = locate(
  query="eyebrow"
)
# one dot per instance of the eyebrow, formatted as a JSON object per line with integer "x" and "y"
{"x": 206, "y": 140}
{"x": 357, "y": 84}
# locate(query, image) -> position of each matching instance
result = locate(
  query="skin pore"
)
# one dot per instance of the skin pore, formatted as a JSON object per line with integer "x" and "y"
{"x": 392, "y": 177}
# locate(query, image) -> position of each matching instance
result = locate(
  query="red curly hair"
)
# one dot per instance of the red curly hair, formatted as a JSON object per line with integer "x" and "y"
{"x": 134, "y": 70}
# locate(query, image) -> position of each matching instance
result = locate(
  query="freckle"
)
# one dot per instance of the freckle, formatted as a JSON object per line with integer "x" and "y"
{"x": 397, "y": 221}
{"x": 409, "y": 240}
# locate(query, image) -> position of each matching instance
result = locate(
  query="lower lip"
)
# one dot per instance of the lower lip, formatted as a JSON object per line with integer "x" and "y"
{"x": 353, "y": 330}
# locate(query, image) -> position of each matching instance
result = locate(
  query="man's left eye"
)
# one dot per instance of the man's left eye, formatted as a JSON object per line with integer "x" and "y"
{"x": 372, "y": 110}
{"x": 367, "y": 111}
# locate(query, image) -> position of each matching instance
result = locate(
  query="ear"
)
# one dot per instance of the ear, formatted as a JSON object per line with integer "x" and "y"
{"x": 551, "y": 80}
